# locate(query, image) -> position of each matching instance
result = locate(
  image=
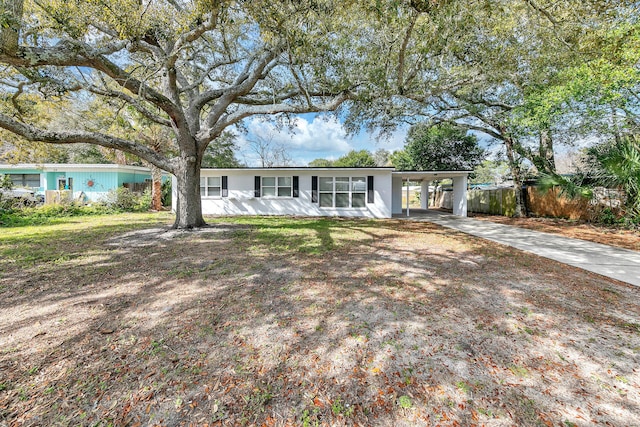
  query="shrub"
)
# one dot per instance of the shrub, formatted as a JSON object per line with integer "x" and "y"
{"x": 48, "y": 214}
{"x": 10, "y": 203}
{"x": 145, "y": 201}
{"x": 166, "y": 193}
{"x": 121, "y": 199}
{"x": 608, "y": 217}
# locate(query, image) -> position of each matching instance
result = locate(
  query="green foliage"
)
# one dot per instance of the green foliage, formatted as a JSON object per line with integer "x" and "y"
{"x": 124, "y": 200}
{"x": 221, "y": 153}
{"x": 320, "y": 163}
{"x": 10, "y": 203}
{"x": 570, "y": 187}
{"x": 439, "y": 147}
{"x": 490, "y": 172}
{"x": 401, "y": 161}
{"x": 405, "y": 402}
{"x": 617, "y": 165}
{"x": 338, "y": 407}
{"x": 87, "y": 153}
{"x": 382, "y": 157}
{"x": 144, "y": 201}
{"x": 166, "y": 193}
{"x": 614, "y": 165}
{"x": 356, "y": 159}
{"x": 48, "y": 214}
{"x": 5, "y": 182}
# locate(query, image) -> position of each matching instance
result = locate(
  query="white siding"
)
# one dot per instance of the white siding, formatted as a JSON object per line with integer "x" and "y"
{"x": 397, "y": 195}
{"x": 241, "y": 200}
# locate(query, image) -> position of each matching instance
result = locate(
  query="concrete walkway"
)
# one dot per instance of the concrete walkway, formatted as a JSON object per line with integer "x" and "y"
{"x": 619, "y": 264}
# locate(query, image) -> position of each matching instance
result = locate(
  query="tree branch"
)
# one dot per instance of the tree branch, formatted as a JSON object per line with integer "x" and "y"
{"x": 273, "y": 109}
{"x": 71, "y": 53}
{"x": 32, "y": 133}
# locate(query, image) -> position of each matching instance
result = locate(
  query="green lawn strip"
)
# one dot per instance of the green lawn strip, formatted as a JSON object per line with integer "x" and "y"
{"x": 306, "y": 235}
{"x": 70, "y": 235}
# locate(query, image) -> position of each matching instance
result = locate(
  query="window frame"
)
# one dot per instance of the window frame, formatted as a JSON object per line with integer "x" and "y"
{"x": 206, "y": 187}
{"x": 338, "y": 188}
{"x": 276, "y": 187}
{"x": 22, "y": 178}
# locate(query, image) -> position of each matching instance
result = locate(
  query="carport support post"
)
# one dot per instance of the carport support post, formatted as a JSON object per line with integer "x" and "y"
{"x": 407, "y": 196}
{"x": 460, "y": 196}
{"x": 424, "y": 194}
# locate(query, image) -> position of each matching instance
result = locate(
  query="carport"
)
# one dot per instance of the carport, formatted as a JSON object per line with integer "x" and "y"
{"x": 459, "y": 179}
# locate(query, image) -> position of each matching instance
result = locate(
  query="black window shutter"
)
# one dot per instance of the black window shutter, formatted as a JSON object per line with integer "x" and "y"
{"x": 296, "y": 185}
{"x": 314, "y": 189}
{"x": 225, "y": 186}
{"x": 370, "y": 192}
{"x": 257, "y": 192}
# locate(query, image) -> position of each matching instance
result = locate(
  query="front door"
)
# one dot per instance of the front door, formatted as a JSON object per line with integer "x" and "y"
{"x": 65, "y": 184}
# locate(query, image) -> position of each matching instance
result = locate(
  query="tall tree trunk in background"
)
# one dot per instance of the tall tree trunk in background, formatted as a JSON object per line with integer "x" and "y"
{"x": 547, "y": 156}
{"x": 156, "y": 188}
{"x": 516, "y": 172}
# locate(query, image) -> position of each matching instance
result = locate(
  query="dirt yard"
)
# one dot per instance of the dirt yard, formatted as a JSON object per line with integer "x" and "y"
{"x": 306, "y": 322}
{"x": 614, "y": 236}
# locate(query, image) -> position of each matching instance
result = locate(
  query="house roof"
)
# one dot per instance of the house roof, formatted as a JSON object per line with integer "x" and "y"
{"x": 306, "y": 168}
{"x": 413, "y": 175}
{"x": 429, "y": 175}
{"x": 62, "y": 167}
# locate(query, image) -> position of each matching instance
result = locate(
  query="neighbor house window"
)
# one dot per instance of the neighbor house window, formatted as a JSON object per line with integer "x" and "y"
{"x": 25, "y": 179}
{"x": 342, "y": 192}
{"x": 277, "y": 186}
{"x": 210, "y": 186}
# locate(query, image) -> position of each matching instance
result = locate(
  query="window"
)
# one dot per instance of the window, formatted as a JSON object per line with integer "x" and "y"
{"x": 342, "y": 192}
{"x": 276, "y": 186}
{"x": 210, "y": 186}
{"x": 25, "y": 179}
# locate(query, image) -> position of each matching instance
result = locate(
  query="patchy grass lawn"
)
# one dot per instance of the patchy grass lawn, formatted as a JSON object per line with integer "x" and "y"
{"x": 279, "y": 321}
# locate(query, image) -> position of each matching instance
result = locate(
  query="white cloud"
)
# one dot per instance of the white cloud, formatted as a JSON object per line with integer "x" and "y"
{"x": 319, "y": 135}
{"x": 305, "y": 140}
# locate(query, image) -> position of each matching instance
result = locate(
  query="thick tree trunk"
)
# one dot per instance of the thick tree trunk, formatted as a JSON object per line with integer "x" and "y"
{"x": 188, "y": 204}
{"x": 516, "y": 172}
{"x": 156, "y": 188}
{"x": 547, "y": 156}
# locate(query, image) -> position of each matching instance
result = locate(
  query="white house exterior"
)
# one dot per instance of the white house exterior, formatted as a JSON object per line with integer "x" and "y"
{"x": 348, "y": 192}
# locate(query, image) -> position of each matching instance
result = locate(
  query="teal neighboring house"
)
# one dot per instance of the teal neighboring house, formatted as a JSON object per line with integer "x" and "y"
{"x": 94, "y": 180}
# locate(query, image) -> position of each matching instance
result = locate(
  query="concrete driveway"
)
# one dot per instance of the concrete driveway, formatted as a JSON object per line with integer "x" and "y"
{"x": 616, "y": 263}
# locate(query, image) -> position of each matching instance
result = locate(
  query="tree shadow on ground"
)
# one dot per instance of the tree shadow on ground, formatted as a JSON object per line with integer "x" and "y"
{"x": 334, "y": 322}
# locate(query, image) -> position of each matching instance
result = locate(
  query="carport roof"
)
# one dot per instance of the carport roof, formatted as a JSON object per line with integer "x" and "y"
{"x": 429, "y": 175}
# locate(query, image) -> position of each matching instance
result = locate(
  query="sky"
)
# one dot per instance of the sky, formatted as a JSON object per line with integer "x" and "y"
{"x": 313, "y": 136}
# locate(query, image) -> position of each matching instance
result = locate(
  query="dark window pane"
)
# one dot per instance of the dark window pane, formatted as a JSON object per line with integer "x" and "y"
{"x": 357, "y": 200}
{"x": 326, "y": 200}
{"x": 268, "y": 191}
{"x": 269, "y": 181}
{"x": 326, "y": 184}
{"x": 284, "y": 191}
{"x": 342, "y": 200}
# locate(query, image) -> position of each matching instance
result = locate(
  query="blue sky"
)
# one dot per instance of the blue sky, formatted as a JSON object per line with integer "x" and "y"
{"x": 313, "y": 136}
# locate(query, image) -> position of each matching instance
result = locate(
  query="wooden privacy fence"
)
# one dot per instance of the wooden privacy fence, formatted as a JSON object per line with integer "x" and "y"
{"x": 137, "y": 187}
{"x": 552, "y": 204}
{"x": 502, "y": 201}
{"x": 56, "y": 197}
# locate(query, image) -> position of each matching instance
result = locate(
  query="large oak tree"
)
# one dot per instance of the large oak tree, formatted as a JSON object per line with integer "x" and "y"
{"x": 193, "y": 67}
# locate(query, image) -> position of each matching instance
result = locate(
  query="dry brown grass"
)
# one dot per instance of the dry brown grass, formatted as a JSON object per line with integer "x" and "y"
{"x": 311, "y": 322}
{"x": 613, "y": 236}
